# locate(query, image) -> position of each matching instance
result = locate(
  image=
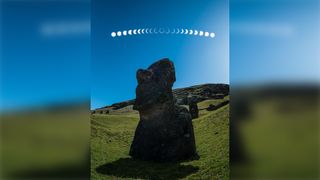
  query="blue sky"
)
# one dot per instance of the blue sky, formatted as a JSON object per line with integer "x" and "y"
{"x": 274, "y": 41}
{"x": 45, "y": 46}
{"x": 41, "y": 61}
{"x": 197, "y": 59}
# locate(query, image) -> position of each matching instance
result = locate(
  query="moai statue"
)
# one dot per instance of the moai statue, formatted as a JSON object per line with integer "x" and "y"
{"x": 165, "y": 130}
{"x": 193, "y": 107}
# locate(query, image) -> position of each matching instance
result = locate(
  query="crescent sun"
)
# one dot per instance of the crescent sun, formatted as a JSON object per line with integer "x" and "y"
{"x": 161, "y": 30}
{"x": 168, "y": 31}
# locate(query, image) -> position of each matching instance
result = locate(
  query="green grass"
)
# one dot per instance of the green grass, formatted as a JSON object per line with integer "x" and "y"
{"x": 281, "y": 140}
{"x": 46, "y": 144}
{"x": 111, "y": 137}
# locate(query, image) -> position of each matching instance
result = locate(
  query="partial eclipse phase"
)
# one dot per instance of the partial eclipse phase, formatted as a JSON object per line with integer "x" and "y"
{"x": 163, "y": 31}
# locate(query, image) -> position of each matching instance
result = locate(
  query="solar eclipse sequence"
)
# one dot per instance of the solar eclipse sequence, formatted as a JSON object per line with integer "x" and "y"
{"x": 164, "y": 31}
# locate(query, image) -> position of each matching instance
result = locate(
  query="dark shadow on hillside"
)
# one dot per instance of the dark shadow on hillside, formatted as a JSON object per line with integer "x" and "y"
{"x": 131, "y": 168}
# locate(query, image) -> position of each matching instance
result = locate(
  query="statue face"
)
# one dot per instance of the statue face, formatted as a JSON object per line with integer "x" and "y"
{"x": 144, "y": 76}
{"x": 154, "y": 85}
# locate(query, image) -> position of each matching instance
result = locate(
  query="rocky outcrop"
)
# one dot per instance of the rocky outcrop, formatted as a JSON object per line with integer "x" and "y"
{"x": 193, "y": 106}
{"x": 165, "y": 131}
{"x": 120, "y": 105}
{"x": 194, "y": 111}
{"x": 212, "y": 107}
{"x": 199, "y": 93}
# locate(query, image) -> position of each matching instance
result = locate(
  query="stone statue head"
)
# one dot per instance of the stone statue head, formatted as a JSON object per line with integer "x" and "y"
{"x": 155, "y": 84}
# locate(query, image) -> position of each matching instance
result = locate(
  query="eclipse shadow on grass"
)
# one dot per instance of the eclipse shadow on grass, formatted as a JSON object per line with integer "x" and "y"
{"x": 132, "y": 168}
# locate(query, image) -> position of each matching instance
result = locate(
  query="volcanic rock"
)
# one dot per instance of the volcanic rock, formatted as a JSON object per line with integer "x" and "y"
{"x": 212, "y": 107}
{"x": 165, "y": 130}
{"x": 193, "y": 107}
{"x": 199, "y": 93}
{"x": 194, "y": 111}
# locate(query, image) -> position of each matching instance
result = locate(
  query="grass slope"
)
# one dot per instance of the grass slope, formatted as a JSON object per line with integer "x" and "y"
{"x": 45, "y": 144}
{"x": 111, "y": 137}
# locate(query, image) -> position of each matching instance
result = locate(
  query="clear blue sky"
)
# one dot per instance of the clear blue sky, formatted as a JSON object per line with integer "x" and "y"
{"x": 38, "y": 69}
{"x": 274, "y": 41}
{"x": 197, "y": 59}
{"x": 270, "y": 40}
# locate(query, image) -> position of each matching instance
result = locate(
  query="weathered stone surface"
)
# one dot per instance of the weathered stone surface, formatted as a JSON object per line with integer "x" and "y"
{"x": 194, "y": 111}
{"x": 212, "y": 107}
{"x": 165, "y": 131}
{"x": 193, "y": 107}
{"x": 122, "y": 104}
{"x": 199, "y": 92}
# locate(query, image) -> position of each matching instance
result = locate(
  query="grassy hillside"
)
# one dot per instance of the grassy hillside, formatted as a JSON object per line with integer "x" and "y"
{"x": 112, "y": 134}
{"x": 45, "y": 144}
